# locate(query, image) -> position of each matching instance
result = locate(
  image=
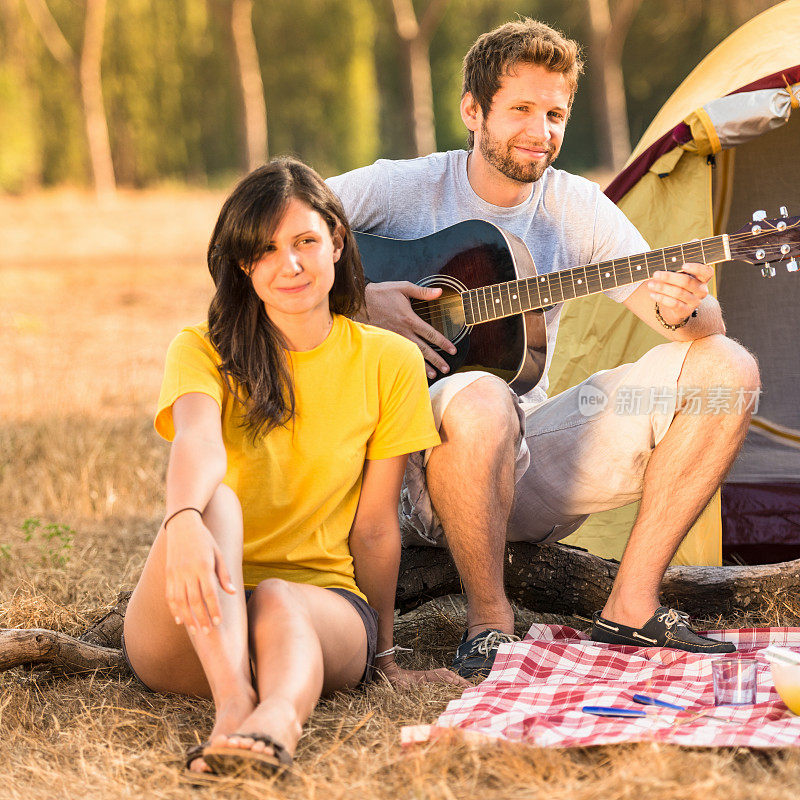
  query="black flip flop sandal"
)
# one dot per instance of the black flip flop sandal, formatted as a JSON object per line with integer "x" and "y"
{"x": 198, "y": 778}
{"x": 239, "y": 760}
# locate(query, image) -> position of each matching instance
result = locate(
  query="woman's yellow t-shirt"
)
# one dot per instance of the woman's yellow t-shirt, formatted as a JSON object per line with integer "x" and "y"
{"x": 361, "y": 394}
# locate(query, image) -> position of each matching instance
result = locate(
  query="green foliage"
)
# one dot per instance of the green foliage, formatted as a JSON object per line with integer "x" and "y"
{"x": 19, "y": 140}
{"x": 59, "y": 117}
{"x": 162, "y": 80}
{"x": 319, "y": 79}
{"x": 359, "y": 134}
{"x": 53, "y": 541}
{"x": 335, "y": 82}
{"x": 461, "y": 26}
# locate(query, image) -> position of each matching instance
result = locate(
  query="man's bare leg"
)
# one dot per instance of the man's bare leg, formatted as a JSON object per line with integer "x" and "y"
{"x": 685, "y": 469}
{"x": 470, "y": 478}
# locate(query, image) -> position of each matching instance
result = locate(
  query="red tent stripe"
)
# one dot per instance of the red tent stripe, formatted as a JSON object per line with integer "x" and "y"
{"x": 681, "y": 134}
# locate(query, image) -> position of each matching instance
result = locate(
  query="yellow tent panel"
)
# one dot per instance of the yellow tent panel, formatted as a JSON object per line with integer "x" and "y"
{"x": 672, "y": 203}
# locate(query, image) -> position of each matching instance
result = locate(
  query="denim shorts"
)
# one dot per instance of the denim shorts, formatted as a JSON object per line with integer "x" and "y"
{"x": 369, "y": 616}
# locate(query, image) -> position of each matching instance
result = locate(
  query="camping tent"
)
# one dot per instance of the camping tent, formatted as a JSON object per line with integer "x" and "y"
{"x": 726, "y": 143}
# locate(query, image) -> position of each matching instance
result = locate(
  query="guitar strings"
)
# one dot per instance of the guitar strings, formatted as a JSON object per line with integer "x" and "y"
{"x": 620, "y": 270}
{"x": 622, "y": 265}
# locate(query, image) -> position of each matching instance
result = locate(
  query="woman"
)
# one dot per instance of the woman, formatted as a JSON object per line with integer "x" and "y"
{"x": 290, "y": 425}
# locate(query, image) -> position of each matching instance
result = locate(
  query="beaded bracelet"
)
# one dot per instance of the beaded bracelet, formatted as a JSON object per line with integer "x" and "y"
{"x": 175, "y": 514}
{"x": 673, "y": 327}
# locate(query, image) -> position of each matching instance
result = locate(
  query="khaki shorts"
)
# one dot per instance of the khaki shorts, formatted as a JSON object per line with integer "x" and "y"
{"x": 582, "y": 451}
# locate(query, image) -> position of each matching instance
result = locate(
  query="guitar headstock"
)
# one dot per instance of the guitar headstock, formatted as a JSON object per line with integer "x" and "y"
{"x": 767, "y": 240}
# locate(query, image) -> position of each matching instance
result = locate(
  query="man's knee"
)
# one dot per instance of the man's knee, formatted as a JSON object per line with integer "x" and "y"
{"x": 483, "y": 412}
{"x": 719, "y": 361}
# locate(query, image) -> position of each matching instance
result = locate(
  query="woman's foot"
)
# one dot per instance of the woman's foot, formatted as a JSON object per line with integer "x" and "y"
{"x": 277, "y": 719}
{"x": 230, "y": 716}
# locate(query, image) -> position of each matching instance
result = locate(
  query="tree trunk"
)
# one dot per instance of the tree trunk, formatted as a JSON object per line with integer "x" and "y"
{"x": 50, "y": 32}
{"x": 250, "y": 82}
{"x": 415, "y": 39}
{"x": 606, "y": 41}
{"x": 92, "y": 95}
{"x": 87, "y": 69}
{"x": 549, "y": 578}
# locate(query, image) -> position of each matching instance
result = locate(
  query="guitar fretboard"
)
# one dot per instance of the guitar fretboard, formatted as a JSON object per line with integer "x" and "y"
{"x": 515, "y": 297}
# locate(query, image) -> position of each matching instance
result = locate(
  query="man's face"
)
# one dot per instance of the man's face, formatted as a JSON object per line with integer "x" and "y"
{"x": 523, "y": 131}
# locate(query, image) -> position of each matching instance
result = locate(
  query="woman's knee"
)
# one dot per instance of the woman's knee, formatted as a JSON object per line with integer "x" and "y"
{"x": 274, "y": 596}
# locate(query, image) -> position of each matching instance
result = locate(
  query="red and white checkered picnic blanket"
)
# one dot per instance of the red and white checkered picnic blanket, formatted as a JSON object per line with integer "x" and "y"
{"x": 537, "y": 687}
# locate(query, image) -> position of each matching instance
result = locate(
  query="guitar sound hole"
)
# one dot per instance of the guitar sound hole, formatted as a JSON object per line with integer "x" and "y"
{"x": 445, "y": 314}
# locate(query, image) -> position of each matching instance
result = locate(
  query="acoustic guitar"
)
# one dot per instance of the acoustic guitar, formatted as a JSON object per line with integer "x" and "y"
{"x": 493, "y": 299}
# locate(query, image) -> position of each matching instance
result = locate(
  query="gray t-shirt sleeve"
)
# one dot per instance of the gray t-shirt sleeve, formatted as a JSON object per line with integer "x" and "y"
{"x": 615, "y": 236}
{"x": 365, "y": 194}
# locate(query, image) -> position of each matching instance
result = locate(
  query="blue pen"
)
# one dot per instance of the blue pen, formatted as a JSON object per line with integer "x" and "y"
{"x": 653, "y": 701}
{"x": 612, "y": 711}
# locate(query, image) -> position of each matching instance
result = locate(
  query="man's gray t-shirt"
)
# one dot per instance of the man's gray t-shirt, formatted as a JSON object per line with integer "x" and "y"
{"x": 565, "y": 222}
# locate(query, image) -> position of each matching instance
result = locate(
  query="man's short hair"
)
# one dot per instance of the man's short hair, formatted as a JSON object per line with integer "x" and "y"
{"x": 524, "y": 41}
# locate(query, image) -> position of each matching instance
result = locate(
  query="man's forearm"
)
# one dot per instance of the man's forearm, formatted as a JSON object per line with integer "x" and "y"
{"x": 707, "y": 322}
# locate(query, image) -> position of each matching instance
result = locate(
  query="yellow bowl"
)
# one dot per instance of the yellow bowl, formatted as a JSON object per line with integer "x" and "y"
{"x": 787, "y": 681}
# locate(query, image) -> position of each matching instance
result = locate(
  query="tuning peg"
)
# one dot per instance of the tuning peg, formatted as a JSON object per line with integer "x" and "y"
{"x": 768, "y": 271}
{"x": 784, "y": 212}
{"x": 759, "y": 215}
{"x": 791, "y": 265}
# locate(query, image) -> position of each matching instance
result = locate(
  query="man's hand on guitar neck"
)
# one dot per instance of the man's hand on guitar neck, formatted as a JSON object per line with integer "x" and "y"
{"x": 678, "y": 295}
{"x": 389, "y": 306}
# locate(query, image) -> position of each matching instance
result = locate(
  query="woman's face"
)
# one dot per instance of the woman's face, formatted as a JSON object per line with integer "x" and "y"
{"x": 296, "y": 272}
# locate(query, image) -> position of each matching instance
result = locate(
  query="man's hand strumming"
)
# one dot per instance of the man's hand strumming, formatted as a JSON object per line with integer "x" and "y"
{"x": 388, "y": 305}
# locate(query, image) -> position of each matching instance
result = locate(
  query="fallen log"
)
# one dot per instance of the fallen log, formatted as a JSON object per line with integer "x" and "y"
{"x": 551, "y": 578}
{"x": 560, "y": 579}
{"x": 62, "y": 653}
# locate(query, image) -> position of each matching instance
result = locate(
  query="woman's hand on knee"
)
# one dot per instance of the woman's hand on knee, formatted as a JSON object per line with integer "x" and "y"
{"x": 403, "y": 678}
{"x": 194, "y": 566}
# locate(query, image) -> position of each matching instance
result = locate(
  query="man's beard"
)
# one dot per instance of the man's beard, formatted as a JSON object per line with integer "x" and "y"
{"x": 501, "y": 156}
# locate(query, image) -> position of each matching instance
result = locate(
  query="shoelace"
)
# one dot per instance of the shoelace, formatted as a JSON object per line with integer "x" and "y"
{"x": 672, "y": 617}
{"x": 494, "y": 640}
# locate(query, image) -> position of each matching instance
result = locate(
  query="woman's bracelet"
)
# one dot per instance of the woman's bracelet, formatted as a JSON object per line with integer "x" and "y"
{"x": 673, "y": 327}
{"x": 179, "y": 511}
{"x": 396, "y": 649}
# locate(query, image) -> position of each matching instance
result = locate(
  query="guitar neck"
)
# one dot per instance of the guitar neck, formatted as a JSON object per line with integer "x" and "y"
{"x": 528, "y": 294}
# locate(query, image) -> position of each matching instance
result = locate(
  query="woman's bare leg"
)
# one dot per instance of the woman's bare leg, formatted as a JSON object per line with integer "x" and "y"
{"x": 305, "y": 642}
{"x": 214, "y": 664}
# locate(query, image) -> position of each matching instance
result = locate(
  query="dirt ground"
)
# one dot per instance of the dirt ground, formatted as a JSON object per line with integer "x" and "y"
{"x": 90, "y": 297}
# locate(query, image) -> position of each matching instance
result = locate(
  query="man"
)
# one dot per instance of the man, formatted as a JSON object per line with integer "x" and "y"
{"x": 530, "y": 468}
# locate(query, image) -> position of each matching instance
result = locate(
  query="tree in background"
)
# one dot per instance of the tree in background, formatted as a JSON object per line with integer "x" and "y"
{"x": 237, "y": 17}
{"x": 415, "y": 37}
{"x": 609, "y": 23}
{"x": 86, "y": 67}
{"x": 336, "y": 72}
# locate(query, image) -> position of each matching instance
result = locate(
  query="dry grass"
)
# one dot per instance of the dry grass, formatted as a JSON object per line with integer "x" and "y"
{"x": 90, "y": 298}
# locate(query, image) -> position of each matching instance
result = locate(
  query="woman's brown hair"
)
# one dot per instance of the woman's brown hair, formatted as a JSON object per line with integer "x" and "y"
{"x": 250, "y": 346}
